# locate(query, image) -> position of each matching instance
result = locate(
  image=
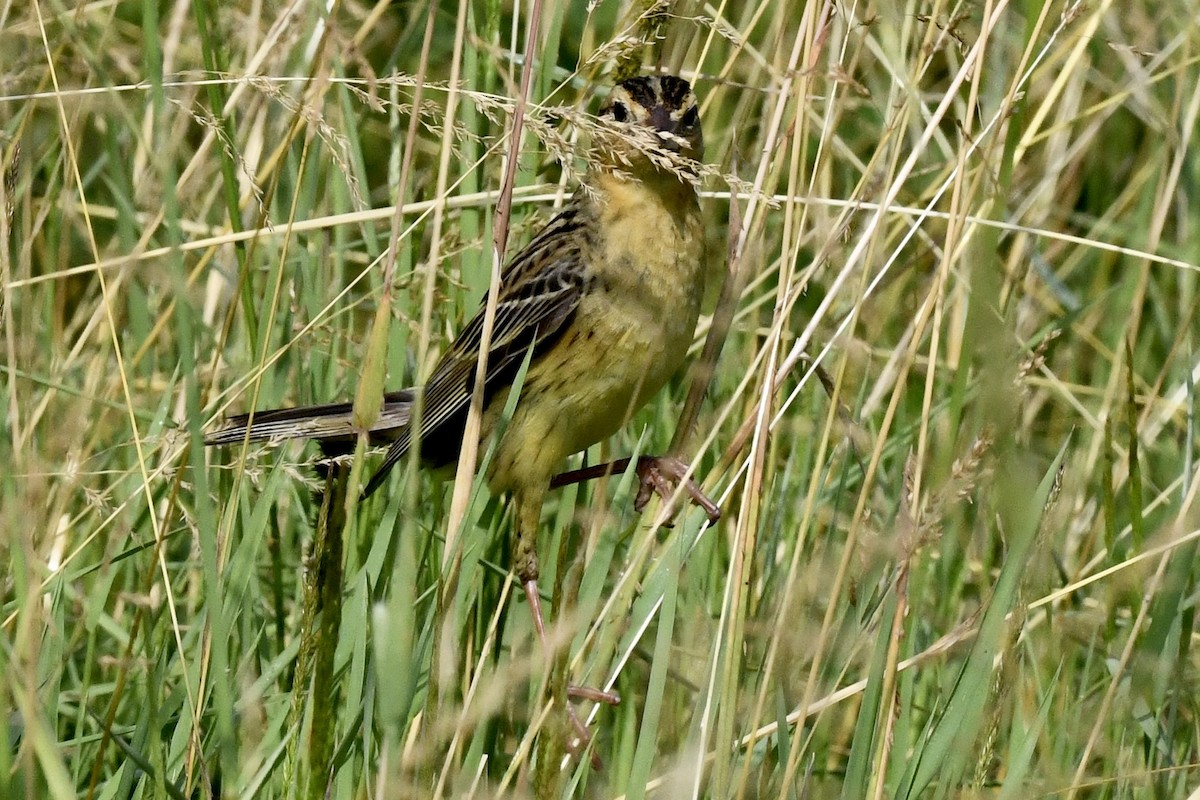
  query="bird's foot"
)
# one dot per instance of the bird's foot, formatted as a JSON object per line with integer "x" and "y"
{"x": 656, "y": 475}
{"x": 661, "y": 475}
{"x": 580, "y": 737}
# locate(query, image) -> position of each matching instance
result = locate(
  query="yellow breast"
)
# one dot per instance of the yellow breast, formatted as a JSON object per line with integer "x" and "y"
{"x": 630, "y": 333}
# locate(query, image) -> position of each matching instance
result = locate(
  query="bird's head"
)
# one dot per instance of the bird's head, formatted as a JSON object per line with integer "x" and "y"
{"x": 661, "y": 111}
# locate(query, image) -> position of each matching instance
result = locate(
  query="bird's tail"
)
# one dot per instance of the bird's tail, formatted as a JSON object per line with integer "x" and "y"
{"x": 326, "y": 423}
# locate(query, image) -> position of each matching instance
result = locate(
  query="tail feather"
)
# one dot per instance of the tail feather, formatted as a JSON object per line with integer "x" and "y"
{"x": 324, "y": 423}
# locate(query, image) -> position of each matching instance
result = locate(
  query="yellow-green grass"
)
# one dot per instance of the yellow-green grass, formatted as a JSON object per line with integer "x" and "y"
{"x": 952, "y": 427}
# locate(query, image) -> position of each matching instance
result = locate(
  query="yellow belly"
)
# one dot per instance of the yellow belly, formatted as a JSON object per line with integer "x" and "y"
{"x": 628, "y": 337}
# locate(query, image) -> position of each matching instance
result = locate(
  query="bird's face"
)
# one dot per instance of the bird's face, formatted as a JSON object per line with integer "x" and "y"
{"x": 664, "y": 106}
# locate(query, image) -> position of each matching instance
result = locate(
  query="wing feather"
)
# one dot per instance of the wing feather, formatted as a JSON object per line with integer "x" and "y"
{"x": 539, "y": 293}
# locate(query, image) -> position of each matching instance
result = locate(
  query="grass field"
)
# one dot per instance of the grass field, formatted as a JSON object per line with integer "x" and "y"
{"x": 952, "y": 427}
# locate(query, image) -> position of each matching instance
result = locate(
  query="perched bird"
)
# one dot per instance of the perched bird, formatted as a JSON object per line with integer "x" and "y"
{"x": 603, "y": 301}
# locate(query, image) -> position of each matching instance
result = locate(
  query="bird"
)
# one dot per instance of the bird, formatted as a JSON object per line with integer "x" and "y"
{"x": 602, "y": 303}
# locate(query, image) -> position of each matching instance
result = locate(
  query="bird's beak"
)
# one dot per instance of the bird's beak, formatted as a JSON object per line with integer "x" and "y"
{"x": 660, "y": 119}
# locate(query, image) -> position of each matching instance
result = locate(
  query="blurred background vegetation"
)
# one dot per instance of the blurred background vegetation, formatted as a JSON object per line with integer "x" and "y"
{"x": 952, "y": 429}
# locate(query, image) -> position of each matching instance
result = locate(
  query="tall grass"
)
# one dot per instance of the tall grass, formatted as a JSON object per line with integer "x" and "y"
{"x": 952, "y": 428}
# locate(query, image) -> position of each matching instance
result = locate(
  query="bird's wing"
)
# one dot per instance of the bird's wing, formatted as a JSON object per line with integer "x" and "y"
{"x": 539, "y": 293}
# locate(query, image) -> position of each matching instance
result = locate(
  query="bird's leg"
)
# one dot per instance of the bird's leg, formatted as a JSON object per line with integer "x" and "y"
{"x": 529, "y": 584}
{"x": 581, "y": 737}
{"x": 525, "y": 564}
{"x": 656, "y": 474}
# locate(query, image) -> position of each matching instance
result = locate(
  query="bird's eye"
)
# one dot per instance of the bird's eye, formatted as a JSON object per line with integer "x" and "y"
{"x": 692, "y": 118}
{"x": 619, "y": 112}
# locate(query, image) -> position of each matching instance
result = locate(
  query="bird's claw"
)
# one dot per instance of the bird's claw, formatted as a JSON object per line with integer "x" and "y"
{"x": 661, "y": 475}
{"x": 582, "y": 737}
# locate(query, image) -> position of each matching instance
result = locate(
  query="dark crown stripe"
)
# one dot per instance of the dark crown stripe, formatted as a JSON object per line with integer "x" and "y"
{"x": 674, "y": 91}
{"x": 641, "y": 91}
